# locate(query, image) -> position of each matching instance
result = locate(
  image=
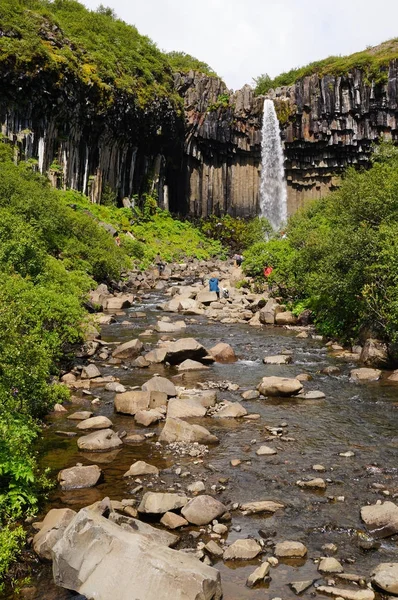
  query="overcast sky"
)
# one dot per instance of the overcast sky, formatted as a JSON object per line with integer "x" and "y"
{"x": 240, "y": 39}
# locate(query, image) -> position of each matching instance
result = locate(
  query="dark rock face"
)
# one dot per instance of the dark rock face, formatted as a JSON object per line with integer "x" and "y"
{"x": 331, "y": 124}
{"x": 205, "y": 158}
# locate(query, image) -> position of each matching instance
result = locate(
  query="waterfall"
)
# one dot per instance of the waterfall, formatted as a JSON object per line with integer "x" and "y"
{"x": 273, "y": 194}
{"x": 41, "y": 154}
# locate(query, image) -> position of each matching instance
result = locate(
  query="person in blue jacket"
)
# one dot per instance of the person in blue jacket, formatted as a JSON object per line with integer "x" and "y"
{"x": 213, "y": 285}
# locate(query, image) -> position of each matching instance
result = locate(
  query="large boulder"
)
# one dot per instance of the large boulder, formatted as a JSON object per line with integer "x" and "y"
{"x": 242, "y": 550}
{"x": 156, "y": 356}
{"x": 365, "y": 374}
{"x": 158, "y": 503}
{"x": 385, "y": 576}
{"x": 375, "y": 354}
{"x": 129, "y": 403}
{"x": 279, "y": 386}
{"x": 52, "y": 528}
{"x": 115, "y": 303}
{"x": 285, "y": 318}
{"x": 191, "y": 365}
{"x": 90, "y": 372}
{"x": 176, "y": 430}
{"x": 77, "y": 477}
{"x": 206, "y": 297}
{"x": 223, "y": 353}
{"x": 185, "y": 348}
{"x": 202, "y": 510}
{"x": 166, "y": 327}
{"x": 381, "y": 519}
{"x": 99, "y": 441}
{"x": 141, "y": 468}
{"x": 160, "y": 384}
{"x": 128, "y": 350}
{"x": 207, "y": 398}
{"x": 148, "y": 417}
{"x": 230, "y": 410}
{"x": 179, "y": 408}
{"x": 99, "y": 559}
{"x": 267, "y": 314}
{"x": 290, "y": 549}
{"x": 94, "y": 423}
{"x": 278, "y": 359}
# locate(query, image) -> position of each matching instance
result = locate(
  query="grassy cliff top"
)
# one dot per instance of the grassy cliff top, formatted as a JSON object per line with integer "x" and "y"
{"x": 373, "y": 61}
{"x": 62, "y": 37}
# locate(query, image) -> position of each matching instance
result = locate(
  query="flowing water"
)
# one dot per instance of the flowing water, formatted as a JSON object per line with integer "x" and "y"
{"x": 360, "y": 418}
{"x": 273, "y": 193}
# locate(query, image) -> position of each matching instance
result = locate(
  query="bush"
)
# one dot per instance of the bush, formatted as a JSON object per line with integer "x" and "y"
{"x": 340, "y": 257}
{"x": 235, "y": 233}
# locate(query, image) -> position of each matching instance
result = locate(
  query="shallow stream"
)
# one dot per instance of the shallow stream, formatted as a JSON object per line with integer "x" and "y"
{"x": 359, "y": 418}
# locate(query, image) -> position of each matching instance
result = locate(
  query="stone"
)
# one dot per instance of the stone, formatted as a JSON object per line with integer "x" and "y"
{"x": 68, "y": 378}
{"x": 299, "y": 587}
{"x": 289, "y": 549}
{"x": 214, "y": 549}
{"x": 59, "y": 408}
{"x": 52, "y": 528}
{"x": 76, "y": 478}
{"x": 99, "y": 441}
{"x": 258, "y": 575}
{"x": 207, "y": 398}
{"x": 223, "y": 353}
{"x": 265, "y": 451}
{"x": 191, "y": 365}
{"x": 173, "y": 521}
{"x": 115, "y": 386}
{"x": 140, "y": 362}
{"x": 242, "y": 550}
{"x": 385, "y": 577}
{"x": 157, "y": 503}
{"x": 285, "y": 318}
{"x": 375, "y": 354}
{"x": 250, "y": 395}
{"x": 206, "y": 297}
{"x": 184, "y": 409}
{"x": 147, "y": 417}
{"x": 279, "y": 386}
{"x": 280, "y": 359}
{"x": 176, "y": 430}
{"x": 128, "y": 350}
{"x": 134, "y": 438}
{"x": 331, "y": 370}
{"x": 261, "y": 506}
{"x": 267, "y": 314}
{"x": 220, "y": 529}
{"x": 160, "y": 384}
{"x": 141, "y": 468}
{"x": 330, "y": 565}
{"x": 196, "y": 487}
{"x": 304, "y": 377}
{"x": 129, "y": 403}
{"x": 230, "y": 410}
{"x": 314, "y": 395}
{"x": 95, "y": 423}
{"x": 90, "y": 372}
{"x": 202, "y": 510}
{"x": 98, "y": 559}
{"x": 365, "y": 374}
{"x": 80, "y": 415}
{"x": 316, "y": 483}
{"x": 346, "y": 594}
{"x": 183, "y": 349}
{"x": 174, "y": 327}
{"x": 156, "y": 356}
{"x": 115, "y": 303}
{"x": 381, "y": 519}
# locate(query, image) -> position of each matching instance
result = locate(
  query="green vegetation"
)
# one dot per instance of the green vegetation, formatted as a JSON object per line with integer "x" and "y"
{"x": 180, "y": 61}
{"x": 148, "y": 231}
{"x": 52, "y": 252}
{"x": 221, "y": 102}
{"x": 50, "y": 255}
{"x": 95, "y": 47}
{"x": 372, "y": 61}
{"x": 235, "y": 233}
{"x": 340, "y": 256}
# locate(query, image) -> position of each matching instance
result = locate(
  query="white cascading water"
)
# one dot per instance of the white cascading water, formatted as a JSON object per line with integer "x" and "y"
{"x": 273, "y": 194}
{"x": 41, "y": 154}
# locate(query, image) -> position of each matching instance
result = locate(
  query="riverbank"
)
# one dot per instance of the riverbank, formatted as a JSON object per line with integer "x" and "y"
{"x": 343, "y": 430}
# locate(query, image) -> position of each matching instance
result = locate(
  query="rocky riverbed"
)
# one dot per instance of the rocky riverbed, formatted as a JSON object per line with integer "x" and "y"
{"x": 223, "y": 444}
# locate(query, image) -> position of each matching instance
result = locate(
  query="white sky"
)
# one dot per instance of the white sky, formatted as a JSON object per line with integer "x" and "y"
{"x": 240, "y": 39}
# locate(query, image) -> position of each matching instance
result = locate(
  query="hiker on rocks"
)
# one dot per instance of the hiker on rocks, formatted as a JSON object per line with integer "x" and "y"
{"x": 213, "y": 285}
{"x": 267, "y": 271}
{"x": 238, "y": 258}
{"x": 160, "y": 264}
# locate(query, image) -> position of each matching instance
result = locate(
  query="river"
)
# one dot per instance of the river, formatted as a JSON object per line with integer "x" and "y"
{"x": 359, "y": 418}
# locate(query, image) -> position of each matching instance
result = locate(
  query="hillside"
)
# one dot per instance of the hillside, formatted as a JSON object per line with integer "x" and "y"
{"x": 373, "y": 62}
